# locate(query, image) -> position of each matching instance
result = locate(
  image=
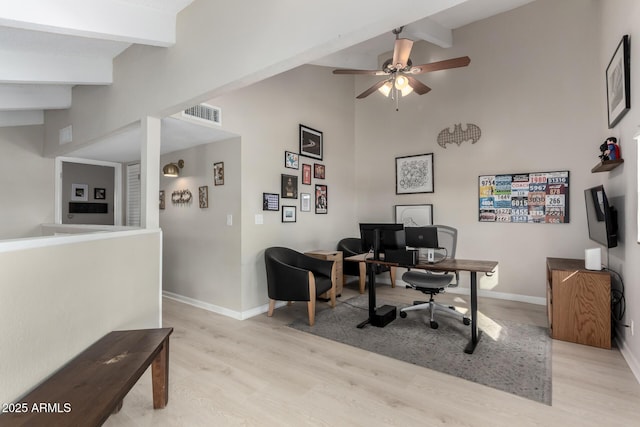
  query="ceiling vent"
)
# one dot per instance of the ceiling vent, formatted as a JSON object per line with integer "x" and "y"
{"x": 204, "y": 113}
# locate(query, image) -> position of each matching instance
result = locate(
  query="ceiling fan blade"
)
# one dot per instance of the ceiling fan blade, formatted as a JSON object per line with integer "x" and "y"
{"x": 401, "y": 52}
{"x": 370, "y": 72}
{"x": 418, "y": 87}
{"x": 372, "y": 89}
{"x": 463, "y": 61}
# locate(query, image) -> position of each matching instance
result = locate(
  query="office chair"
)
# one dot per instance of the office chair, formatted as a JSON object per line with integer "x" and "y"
{"x": 431, "y": 283}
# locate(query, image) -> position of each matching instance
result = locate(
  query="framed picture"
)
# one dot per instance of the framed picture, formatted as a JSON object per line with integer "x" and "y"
{"x": 305, "y": 202}
{"x": 528, "y": 197}
{"x": 161, "y": 205}
{"x": 310, "y": 142}
{"x": 218, "y": 173}
{"x": 291, "y": 160}
{"x": 99, "y": 193}
{"x": 288, "y": 214}
{"x": 618, "y": 83}
{"x": 203, "y": 196}
{"x": 289, "y": 186}
{"x": 321, "y": 199}
{"x": 414, "y": 215}
{"x": 318, "y": 171}
{"x": 306, "y": 174}
{"x": 270, "y": 202}
{"x": 79, "y": 192}
{"x": 414, "y": 174}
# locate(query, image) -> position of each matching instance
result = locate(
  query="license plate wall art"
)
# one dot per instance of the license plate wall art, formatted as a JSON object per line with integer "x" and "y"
{"x": 540, "y": 197}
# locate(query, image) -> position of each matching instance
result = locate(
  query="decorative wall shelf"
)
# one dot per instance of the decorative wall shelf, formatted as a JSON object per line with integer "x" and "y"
{"x": 607, "y": 165}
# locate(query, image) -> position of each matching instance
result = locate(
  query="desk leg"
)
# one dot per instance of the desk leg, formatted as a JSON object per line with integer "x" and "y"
{"x": 475, "y": 333}
{"x": 362, "y": 278}
{"x": 372, "y": 295}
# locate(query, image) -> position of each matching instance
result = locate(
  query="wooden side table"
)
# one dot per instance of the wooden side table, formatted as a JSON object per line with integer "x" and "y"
{"x": 331, "y": 256}
{"x": 578, "y": 303}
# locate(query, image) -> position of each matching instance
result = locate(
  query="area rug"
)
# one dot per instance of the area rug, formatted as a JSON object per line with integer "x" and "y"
{"x": 511, "y": 357}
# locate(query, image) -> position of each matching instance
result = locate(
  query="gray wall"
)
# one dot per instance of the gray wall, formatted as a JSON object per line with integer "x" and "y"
{"x": 533, "y": 86}
{"x": 27, "y": 189}
{"x": 201, "y": 256}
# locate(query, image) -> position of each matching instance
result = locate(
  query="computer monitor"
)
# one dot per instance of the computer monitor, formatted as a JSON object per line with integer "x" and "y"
{"x": 381, "y": 236}
{"x": 422, "y": 237}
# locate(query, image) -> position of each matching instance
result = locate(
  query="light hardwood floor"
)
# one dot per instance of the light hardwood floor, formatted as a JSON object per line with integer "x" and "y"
{"x": 260, "y": 372}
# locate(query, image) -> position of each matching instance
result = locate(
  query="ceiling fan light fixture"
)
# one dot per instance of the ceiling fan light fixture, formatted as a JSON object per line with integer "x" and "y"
{"x": 401, "y": 82}
{"x": 385, "y": 89}
{"x": 406, "y": 90}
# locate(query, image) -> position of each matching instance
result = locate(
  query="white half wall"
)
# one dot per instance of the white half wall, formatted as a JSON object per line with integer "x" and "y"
{"x": 58, "y": 295}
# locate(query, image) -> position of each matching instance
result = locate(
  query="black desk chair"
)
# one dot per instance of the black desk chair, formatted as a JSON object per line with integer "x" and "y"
{"x": 431, "y": 283}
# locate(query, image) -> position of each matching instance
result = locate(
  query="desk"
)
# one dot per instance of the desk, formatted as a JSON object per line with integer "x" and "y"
{"x": 472, "y": 266}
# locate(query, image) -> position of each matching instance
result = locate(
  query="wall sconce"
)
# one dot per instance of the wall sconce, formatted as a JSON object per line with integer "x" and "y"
{"x": 173, "y": 169}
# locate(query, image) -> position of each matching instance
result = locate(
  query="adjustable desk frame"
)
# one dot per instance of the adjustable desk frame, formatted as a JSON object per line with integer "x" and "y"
{"x": 447, "y": 265}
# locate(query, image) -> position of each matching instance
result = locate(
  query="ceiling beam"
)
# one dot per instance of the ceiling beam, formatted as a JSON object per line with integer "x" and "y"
{"x": 24, "y": 67}
{"x": 430, "y": 31}
{"x": 108, "y": 20}
{"x": 34, "y": 97}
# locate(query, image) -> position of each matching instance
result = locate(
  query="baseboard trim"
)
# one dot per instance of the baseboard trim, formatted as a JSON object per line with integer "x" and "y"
{"x": 632, "y": 362}
{"x": 238, "y": 315}
{"x": 500, "y": 295}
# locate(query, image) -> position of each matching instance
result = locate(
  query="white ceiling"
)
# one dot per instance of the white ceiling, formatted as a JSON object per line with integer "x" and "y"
{"x": 47, "y": 47}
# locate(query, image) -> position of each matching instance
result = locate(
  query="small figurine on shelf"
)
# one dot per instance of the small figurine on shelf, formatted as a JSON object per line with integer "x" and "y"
{"x": 613, "y": 148}
{"x": 610, "y": 150}
{"x": 604, "y": 152}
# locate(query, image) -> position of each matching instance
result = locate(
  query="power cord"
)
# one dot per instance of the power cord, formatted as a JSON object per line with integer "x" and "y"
{"x": 618, "y": 302}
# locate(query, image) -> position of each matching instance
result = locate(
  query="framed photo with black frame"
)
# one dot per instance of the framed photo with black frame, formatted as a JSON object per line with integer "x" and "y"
{"x": 289, "y": 186}
{"x": 321, "y": 199}
{"x": 291, "y": 160}
{"x": 414, "y": 174}
{"x": 270, "y": 202}
{"x": 306, "y": 174}
{"x": 288, "y": 213}
{"x": 414, "y": 215}
{"x": 311, "y": 144}
{"x": 318, "y": 171}
{"x": 619, "y": 83}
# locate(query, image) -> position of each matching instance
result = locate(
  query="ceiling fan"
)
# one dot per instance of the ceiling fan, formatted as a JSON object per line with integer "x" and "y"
{"x": 400, "y": 70}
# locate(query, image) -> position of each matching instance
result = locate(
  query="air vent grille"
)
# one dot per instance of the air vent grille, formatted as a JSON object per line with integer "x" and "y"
{"x": 205, "y": 113}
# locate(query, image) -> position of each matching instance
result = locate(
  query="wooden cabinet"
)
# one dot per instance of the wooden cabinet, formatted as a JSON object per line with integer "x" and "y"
{"x": 331, "y": 256}
{"x": 578, "y": 303}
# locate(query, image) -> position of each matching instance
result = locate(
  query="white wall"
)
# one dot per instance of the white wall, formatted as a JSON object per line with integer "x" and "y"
{"x": 619, "y": 18}
{"x": 201, "y": 258}
{"x": 58, "y": 295}
{"x": 533, "y": 88}
{"x": 267, "y": 115}
{"x": 27, "y": 182}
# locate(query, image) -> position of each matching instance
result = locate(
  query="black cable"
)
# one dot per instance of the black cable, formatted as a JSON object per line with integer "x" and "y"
{"x": 618, "y": 302}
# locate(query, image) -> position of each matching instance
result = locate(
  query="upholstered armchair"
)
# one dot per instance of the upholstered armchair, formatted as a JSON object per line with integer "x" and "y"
{"x": 353, "y": 246}
{"x": 293, "y": 276}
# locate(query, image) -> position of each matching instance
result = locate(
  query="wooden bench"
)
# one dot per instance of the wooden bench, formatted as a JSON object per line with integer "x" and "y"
{"x": 88, "y": 389}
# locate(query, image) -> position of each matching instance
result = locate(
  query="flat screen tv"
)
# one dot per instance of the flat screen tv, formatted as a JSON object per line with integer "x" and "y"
{"x": 389, "y": 236}
{"x": 602, "y": 219}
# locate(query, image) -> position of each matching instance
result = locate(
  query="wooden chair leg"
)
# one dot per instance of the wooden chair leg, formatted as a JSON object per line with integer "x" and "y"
{"x": 362, "y": 266}
{"x": 392, "y": 273}
{"x": 311, "y": 305}
{"x": 272, "y": 305}
{"x": 332, "y": 293}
